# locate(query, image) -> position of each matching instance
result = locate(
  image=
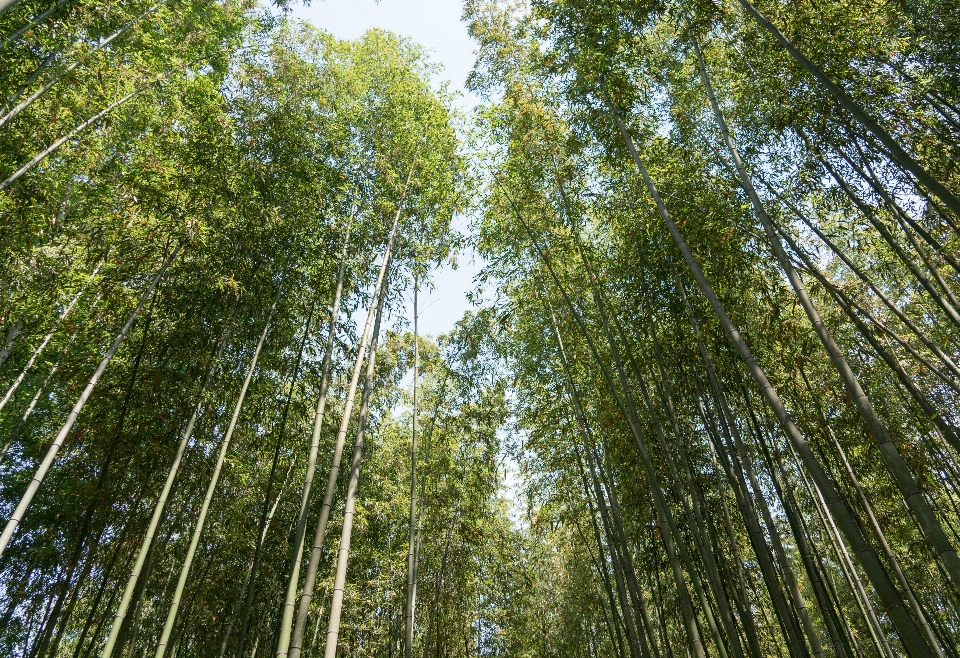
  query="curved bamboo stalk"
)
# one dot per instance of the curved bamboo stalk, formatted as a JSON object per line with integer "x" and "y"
{"x": 294, "y": 645}
{"x": 160, "y": 507}
{"x": 411, "y": 550}
{"x": 61, "y": 436}
{"x": 893, "y": 603}
{"x": 12, "y": 114}
{"x": 211, "y": 488}
{"x": 343, "y": 553}
{"x": 46, "y": 339}
{"x": 899, "y": 155}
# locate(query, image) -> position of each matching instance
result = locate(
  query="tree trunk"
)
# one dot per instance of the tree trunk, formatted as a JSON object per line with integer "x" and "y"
{"x": 294, "y": 645}
{"x": 902, "y": 476}
{"x": 701, "y": 516}
{"x": 791, "y": 511}
{"x": 297, "y": 550}
{"x": 241, "y": 641}
{"x": 613, "y": 627}
{"x": 436, "y": 594}
{"x": 336, "y": 601}
{"x": 877, "y": 530}
{"x": 77, "y": 408}
{"x": 898, "y": 154}
{"x": 668, "y": 528}
{"x": 247, "y": 577}
{"x": 919, "y": 333}
{"x": 158, "y": 510}
{"x": 12, "y": 332}
{"x": 15, "y": 434}
{"x": 104, "y": 581}
{"x": 949, "y": 310}
{"x": 849, "y": 570}
{"x": 46, "y": 339}
{"x": 32, "y": 23}
{"x": 893, "y": 603}
{"x": 73, "y": 133}
{"x": 211, "y": 489}
{"x": 411, "y": 551}
{"x": 423, "y": 486}
{"x": 949, "y": 432}
{"x": 636, "y": 594}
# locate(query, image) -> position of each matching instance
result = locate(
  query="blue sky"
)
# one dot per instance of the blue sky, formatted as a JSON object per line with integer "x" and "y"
{"x": 435, "y": 25}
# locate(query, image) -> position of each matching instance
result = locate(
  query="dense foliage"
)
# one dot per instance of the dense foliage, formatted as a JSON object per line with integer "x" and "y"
{"x": 719, "y": 345}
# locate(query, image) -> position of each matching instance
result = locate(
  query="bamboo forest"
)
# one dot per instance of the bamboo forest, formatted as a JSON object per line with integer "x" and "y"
{"x": 702, "y": 401}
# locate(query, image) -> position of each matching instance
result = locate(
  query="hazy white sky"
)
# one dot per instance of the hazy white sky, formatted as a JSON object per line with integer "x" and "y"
{"x": 435, "y": 25}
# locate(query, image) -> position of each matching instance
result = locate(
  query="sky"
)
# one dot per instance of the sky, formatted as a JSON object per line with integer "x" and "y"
{"x": 436, "y": 26}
